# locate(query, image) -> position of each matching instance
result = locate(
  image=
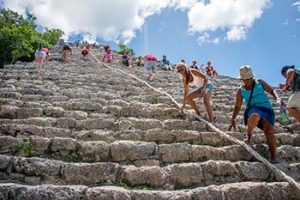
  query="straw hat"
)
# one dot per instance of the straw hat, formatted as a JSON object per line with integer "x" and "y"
{"x": 245, "y": 72}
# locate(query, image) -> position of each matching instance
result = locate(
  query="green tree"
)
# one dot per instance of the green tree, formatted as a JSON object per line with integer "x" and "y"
{"x": 19, "y": 38}
{"x": 123, "y": 48}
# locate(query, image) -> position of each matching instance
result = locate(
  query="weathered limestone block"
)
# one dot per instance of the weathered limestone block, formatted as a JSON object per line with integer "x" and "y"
{"x": 54, "y": 112}
{"x": 161, "y": 195}
{"x": 9, "y": 145}
{"x": 24, "y": 113}
{"x": 171, "y": 153}
{"x": 96, "y": 123}
{"x": 236, "y": 153}
{"x": 90, "y": 174}
{"x": 58, "y": 98}
{"x": 47, "y": 192}
{"x": 124, "y": 124}
{"x": 289, "y": 153}
{"x": 92, "y": 151}
{"x": 40, "y": 121}
{"x": 112, "y": 109}
{"x": 176, "y": 124}
{"x": 129, "y": 150}
{"x": 192, "y": 137}
{"x": 79, "y": 115}
{"x": 253, "y": 171}
{"x": 64, "y": 146}
{"x": 133, "y": 135}
{"x": 153, "y": 176}
{"x": 51, "y": 132}
{"x": 8, "y": 111}
{"x": 97, "y": 135}
{"x": 245, "y": 190}
{"x": 87, "y": 106}
{"x": 204, "y": 153}
{"x": 159, "y": 135}
{"x": 40, "y": 145}
{"x": 32, "y": 97}
{"x": 64, "y": 122}
{"x": 37, "y": 166}
{"x": 185, "y": 175}
{"x": 119, "y": 102}
{"x": 108, "y": 192}
{"x": 145, "y": 124}
{"x": 5, "y": 161}
{"x": 13, "y": 95}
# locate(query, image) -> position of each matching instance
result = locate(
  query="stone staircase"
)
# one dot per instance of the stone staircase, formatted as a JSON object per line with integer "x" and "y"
{"x": 79, "y": 130}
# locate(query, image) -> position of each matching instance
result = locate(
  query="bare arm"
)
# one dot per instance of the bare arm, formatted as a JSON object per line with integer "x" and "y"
{"x": 289, "y": 79}
{"x": 269, "y": 89}
{"x": 186, "y": 91}
{"x": 200, "y": 74}
{"x": 236, "y": 109}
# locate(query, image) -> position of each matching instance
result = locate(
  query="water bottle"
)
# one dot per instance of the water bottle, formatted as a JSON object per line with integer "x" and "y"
{"x": 284, "y": 118}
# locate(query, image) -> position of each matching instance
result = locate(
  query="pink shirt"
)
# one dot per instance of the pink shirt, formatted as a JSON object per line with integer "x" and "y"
{"x": 108, "y": 56}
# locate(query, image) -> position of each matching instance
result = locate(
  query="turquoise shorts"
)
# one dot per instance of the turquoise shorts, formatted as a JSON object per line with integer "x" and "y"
{"x": 209, "y": 88}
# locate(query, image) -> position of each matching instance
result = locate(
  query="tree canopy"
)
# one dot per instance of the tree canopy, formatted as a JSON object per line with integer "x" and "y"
{"x": 123, "y": 48}
{"x": 19, "y": 38}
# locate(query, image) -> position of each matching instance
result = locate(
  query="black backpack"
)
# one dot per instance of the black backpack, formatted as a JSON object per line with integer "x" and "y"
{"x": 295, "y": 84}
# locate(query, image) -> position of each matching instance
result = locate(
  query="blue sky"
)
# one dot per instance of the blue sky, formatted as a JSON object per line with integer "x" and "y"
{"x": 262, "y": 33}
{"x": 272, "y": 42}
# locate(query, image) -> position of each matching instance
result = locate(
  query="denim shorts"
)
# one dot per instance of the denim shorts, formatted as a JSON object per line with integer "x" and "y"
{"x": 209, "y": 88}
{"x": 149, "y": 66}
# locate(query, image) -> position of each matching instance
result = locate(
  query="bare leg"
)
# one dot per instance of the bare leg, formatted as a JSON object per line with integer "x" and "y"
{"x": 251, "y": 124}
{"x": 191, "y": 102}
{"x": 208, "y": 107}
{"x": 294, "y": 113}
{"x": 270, "y": 136}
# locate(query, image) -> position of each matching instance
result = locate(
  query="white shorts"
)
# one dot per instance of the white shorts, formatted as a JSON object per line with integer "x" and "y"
{"x": 294, "y": 101}
{"x": 150, "y": 66}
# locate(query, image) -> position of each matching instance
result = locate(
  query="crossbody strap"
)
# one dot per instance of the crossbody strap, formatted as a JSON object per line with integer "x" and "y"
{"x": 251, "y": 94}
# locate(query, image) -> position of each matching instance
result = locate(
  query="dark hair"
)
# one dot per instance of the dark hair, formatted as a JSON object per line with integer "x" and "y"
{"x": 287, "y": 67}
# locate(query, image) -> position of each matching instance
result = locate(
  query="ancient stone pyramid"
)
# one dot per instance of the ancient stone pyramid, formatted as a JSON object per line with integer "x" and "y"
{"x": 79, "y": 130}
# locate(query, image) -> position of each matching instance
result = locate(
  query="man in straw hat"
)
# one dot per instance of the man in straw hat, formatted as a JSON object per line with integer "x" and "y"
{"x": 204, "y": 89}
{"x": 259, "y": 111}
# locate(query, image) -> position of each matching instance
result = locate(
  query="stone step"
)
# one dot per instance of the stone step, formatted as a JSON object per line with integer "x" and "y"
{"x": 243, "y": 190}
{"x": 157, "y": 135}
{"x": 135, "y": 152}
{"x": 35, "y": 171}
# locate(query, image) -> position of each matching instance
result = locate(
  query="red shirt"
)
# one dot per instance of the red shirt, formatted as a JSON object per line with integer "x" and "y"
{"x": 47, "y": 52}
{"x": 150, "y": 57}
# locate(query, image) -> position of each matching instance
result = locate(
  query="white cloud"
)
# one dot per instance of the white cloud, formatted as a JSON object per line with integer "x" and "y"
{"x": 119, "y": 20}
{"x": 232, "y": 15}
{"x": 297, "y": 4}
{"x": 205, "y": 38}
{"x": 236, "y": 33}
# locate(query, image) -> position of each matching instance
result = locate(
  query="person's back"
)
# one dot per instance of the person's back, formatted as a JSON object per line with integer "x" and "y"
{"x": 292, "y": 77}
{"x": 66, "y": 52}
{"x": 40, "y": 58}
{"x": 108, "y": 56}
{"x": 125, "y": 59}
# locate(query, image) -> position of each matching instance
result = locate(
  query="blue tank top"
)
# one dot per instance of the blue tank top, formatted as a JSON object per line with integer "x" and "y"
{"x": 259, "y": 97}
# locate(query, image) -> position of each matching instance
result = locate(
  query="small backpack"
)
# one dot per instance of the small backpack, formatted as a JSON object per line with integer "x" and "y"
{"x": 296, "y": 81}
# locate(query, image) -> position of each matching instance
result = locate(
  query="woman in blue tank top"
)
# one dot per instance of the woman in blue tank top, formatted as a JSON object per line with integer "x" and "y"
{"x": 259, "y": 111}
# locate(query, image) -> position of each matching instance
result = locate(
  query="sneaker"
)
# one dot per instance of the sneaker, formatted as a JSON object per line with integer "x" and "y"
{"x": 274, "y": 161}
{"x": 248, "y": 141}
